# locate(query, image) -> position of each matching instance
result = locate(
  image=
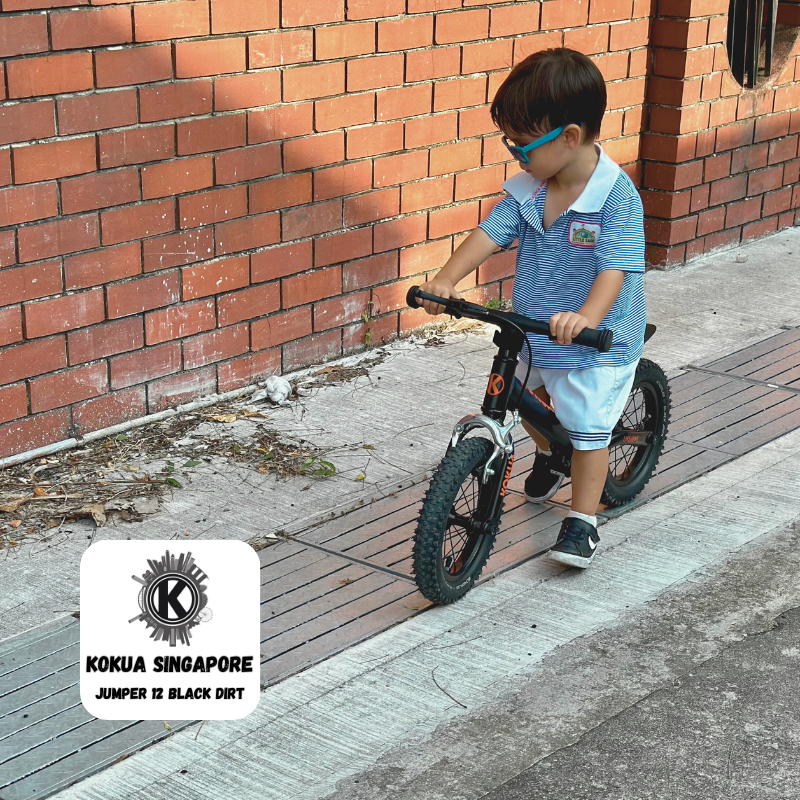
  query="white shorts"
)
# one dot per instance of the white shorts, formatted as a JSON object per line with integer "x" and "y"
{"x": 588, "y": 402}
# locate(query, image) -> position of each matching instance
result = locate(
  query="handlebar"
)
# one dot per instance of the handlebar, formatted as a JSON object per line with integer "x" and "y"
{"x": 589, "y": 337}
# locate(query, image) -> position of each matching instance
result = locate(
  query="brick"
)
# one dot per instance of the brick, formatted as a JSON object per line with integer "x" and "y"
{"x": 313, "y": 151}
{"x": 475, "y": 122}
{"x": 175, "y": 100}
{"x": 28, "y": 434}
{"x": 683, "y": 64}
{"x": 27, "y": 203}
{"x": 366, "y": 9}
{"x": 176, "y": 177}
{"x": 212, "y": 133}
{"x": 142, "y": 294}
{"x": 374, "y": 72}
{"x": 342, "y": 179}
{"x": 342, "y": 247}
{"x": 241, "y": 16}
{"x": 405, "y": 33}
{"x": 782, "y": 149}
{"x": 610, "y": 11}
{"x": 760, "y": 228}
{"x": 282, "y": 122}
{"x": 455, "y": 157}
{"x": 145, "y": 365}
{"x": 623, "y": 94}
{"x": 514, "y": 20}
{"x": 593, "y": 39}
{"x": 26, "y": 5}
{"x": 462, "y": 26}
{"x": 100, "y": 341}
{"x": 419, "y": 259}
{"x": 383, "y": 330}
{"x": 500, "y": 265}
{"x": 459, "y": 93}
{"x": 670, "y": 232}
{"x": 345, "y": 111}
{"x": 94, "y": 112}
{"x": 723, "y": 112}
{"x": 564, "y": 14}
{"x": 791, "y": 172}
{"x": 374, "y": 140}
{"x": 297, "y": 13}
{"x": 746, "y": 211}
{"x": 494, "y": 151}
{"x": 407, "y": 101}
{"x": 292, "y": 190}
{"x": 139, "y": 221}
{"x": 311, "y": 286}
{"x": 340, "y": 311}
{"x": 247, "y": 370}
{"x": 33, "y": 358}
{"x": 736, "y": 135}
{"x": 679, "y": 33}
{"x": 110, "y": 409}
{"x": 99, "y": 190}
{"x": 102, "y": 266}
{"x": 207, "y": 208}
{"x": 180, "y": 389}
{"x": 280, "y": 48}
{"x": 129, "y": 66}
{"x": 787, "y": 97}
{"x": 717, "y": 167}
{"x": 11, "y": 321}
{"x": 728, "y": 190}
{"x": 487, "y": 56}
{"x": 247, "y": 164}
{"x": 177, "y": 249}
{"x": 710, "y": 221}
{"x": 56, "y": 238}
{"x": 479, "y": 182}
{"x": 8, "y": 249}
{"x": 247, "y": 91}
{"x": 26, "y": 121}
{"x": 437, "y": 62}
{"x": 432, "y": 129}
{"x": 247, "y": 234}
{"x": 215, "y": 277}
{"x": 280, "y": 328}
{"x": 30, "y": 282}
{"x": 391, "y": 297}
{"x": 455, "y": 219}
{"x": 93, "y": 27}
{"x": 775, "y": 202}
{"x": 771, "y": 127}
{"x": 158, "y": 21}
{"x": 44, "y": 75}
{"x": 24, "y": 34}
{"x": 430, "y": 193}
{"x": 371, "y": 206}
{"x": 764, "y": 180}
{"x": 525, "y": 46}
{"x": 307, "y": 221}
{"x": 136, "y": 146}
{"x": 343, "y": 41}
{"x": 613, "y": 66}
{"x": 276, "y": 262}
{"x": 249, "y": 303}
{"x": 630, "y": 34}
{"x": 46, "y": 317}
{"x": 400, "y": 232}
{"x": 215, "y": 346}
{"x": 39, "y": 162}
{"x": 320, "y": 80}
{"x": 400, "y": 168}
{"x": 13, "y": 402}
{"x": 369, "y": 271}
{"x": 211, "y": 57}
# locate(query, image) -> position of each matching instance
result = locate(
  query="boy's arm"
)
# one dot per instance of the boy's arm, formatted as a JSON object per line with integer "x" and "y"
{"x": 468, "y": 256}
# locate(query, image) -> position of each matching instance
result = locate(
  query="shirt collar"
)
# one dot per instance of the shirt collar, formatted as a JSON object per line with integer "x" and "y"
{"x": 523, "y": 187}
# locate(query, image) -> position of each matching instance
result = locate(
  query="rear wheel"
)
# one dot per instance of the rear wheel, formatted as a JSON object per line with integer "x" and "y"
{"x": 451, "y": 544}
{"x": 638, "y": 437}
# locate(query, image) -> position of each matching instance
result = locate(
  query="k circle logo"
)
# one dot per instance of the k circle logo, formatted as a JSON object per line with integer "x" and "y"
{"x": 173, "y": 598}
{"x": 496, "y": 384}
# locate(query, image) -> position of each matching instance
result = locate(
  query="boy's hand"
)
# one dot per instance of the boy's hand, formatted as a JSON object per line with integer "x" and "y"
{"x": 441, "y": 287}
{"x": 566, "y": 325}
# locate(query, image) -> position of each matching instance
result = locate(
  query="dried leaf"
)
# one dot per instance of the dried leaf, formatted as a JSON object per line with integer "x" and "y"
{"x": 11, "y": 507}
{"x": 130, "y": 468}
{"x": 39, "y": 492}
{"x": 15, "y": 523}
{"x": 346, "y": 580}
{"x": 96, "y": 511}
{"x": 252, "y": 414}
{"x": 369, "y": 446}
{"x": 12, "y": 542}
{"x": 226, "y": 418}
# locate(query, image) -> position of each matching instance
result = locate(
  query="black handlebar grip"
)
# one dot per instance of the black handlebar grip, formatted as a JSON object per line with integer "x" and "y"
{"x": 600, "y": 339}
{"x": 411, "y": 297}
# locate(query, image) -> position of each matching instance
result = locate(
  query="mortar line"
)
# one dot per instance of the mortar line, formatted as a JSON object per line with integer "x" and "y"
{"x": 777, "y": 386}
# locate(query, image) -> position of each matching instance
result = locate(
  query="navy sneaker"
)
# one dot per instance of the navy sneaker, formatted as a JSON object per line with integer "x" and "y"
{"x": 544, "y": 479}
{"x": 576, "y": 543}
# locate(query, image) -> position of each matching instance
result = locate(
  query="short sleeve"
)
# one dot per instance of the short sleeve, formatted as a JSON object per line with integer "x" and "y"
{"x": 621, "y": 242}
{"x": 503, "y": 222}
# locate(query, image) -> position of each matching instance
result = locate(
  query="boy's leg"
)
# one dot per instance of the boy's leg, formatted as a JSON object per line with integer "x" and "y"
{"x": 541, "y": 442}
{"x": 589, "y": 472}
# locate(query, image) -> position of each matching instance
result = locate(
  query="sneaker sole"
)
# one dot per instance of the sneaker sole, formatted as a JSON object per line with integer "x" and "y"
{"x": 569, "y": 559}
{"x": 550, "y": 494}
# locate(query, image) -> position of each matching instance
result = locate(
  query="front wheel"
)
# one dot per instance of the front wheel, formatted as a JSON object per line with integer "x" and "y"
{"x": 451, "y": 543}
{"x": 638, "y": 438}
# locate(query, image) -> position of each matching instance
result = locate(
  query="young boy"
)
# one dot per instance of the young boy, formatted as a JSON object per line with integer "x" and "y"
{"x": 580, "y": 262}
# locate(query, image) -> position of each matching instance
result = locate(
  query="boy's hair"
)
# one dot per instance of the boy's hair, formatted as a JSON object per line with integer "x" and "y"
{"x": 549, "y": 89}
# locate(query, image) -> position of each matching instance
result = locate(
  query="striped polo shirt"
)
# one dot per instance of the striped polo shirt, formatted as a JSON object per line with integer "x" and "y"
{"x": 602, "y": 229}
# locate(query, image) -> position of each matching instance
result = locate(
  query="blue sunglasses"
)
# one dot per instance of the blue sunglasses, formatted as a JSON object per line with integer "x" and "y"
{"x": 521, "y": 153}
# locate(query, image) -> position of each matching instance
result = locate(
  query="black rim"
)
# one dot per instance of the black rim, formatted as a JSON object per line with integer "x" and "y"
{"x": 461, "y": 543}
{"x": 626, "y": 461}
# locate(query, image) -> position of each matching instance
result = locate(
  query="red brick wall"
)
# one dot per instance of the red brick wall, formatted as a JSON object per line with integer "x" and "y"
{"x": 720, "y": 163}
{"x": 196, "y": 194}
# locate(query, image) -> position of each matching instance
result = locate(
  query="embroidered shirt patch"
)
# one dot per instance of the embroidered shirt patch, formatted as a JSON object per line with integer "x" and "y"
{"x": 584, "y": 234}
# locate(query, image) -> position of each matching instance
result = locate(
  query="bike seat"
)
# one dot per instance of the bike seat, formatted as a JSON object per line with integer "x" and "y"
{"x": 649, "y": 330}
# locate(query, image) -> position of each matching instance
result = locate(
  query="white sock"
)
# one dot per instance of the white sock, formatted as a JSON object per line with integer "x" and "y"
{"x": 543, "y": 452}
{"x": 584, "y": 517}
